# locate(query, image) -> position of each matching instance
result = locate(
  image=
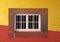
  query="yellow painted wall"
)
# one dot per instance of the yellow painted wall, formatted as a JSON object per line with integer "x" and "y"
{"x": 52, "y": 5}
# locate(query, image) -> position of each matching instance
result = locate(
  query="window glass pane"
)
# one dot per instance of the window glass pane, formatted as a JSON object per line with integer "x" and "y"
{"x": 23, "y": 18}
{"x": 18, "y": 25}
{"x": 32, "y": 22}
{"x": 30, "y": 25}
{"x": 30, "y": 18}
{"x": 36, "y": 18}
{"x": 36, "y": 25}
{"x": 18, "y": 18}
{"x": 23, "y": 25}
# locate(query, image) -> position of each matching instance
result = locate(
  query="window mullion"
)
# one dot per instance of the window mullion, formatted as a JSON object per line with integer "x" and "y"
{"x": 26, "y": 22}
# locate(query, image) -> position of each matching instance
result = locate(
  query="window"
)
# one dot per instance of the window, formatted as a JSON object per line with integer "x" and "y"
{"x": 27, "y": 22}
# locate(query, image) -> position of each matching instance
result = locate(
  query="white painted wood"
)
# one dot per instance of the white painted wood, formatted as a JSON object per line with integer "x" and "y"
{"x": 28, "y": 30}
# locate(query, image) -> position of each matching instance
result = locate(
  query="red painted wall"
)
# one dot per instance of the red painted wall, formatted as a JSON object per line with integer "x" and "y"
{"x": 53, "y": 36}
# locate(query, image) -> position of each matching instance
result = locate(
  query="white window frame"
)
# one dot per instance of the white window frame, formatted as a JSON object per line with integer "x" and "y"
{"x": 28, "y": 30}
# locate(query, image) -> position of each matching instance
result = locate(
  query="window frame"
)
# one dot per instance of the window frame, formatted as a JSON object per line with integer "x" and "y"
{"x": 28, "y": 30}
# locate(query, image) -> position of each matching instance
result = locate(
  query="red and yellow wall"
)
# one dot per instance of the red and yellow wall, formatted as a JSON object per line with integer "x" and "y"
{"x": 53, "y": 14}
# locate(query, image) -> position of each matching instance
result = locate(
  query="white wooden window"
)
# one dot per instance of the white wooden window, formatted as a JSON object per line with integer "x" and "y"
{"x": 27, "y": 22}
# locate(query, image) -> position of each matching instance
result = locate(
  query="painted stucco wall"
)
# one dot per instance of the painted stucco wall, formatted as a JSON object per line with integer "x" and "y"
{"x": 52, "y": 5}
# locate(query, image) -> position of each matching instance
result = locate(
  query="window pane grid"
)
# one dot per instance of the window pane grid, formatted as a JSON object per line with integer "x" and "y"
{"x": 25, "y": 23}
{"x": 30, "y": 25}
{"x": 30, "y": 18}
{"x": 36, "y": 21}
{"x": 20, "y": 22}
{"x": 18, "y": 25}
{"x": 35, "y": 25}
{"x": 18, "y": 18}
{"x": 36, "y": 18}
{"x": 23, "y": 18}
{"x": 31, "y": 22}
